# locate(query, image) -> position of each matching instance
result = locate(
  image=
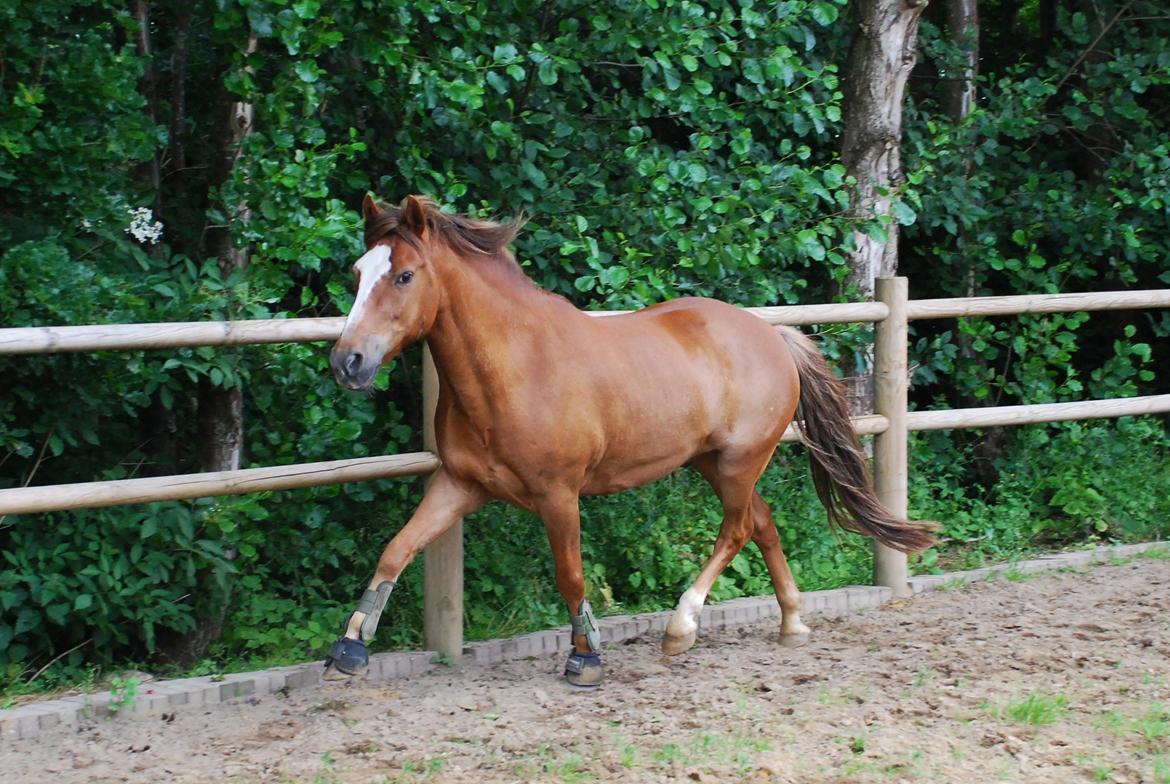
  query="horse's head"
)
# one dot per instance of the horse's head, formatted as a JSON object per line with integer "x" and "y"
{"x": 397, "y": 292}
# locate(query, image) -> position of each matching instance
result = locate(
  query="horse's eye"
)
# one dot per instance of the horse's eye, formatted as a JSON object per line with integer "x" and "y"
{"x": 404, "y": 278}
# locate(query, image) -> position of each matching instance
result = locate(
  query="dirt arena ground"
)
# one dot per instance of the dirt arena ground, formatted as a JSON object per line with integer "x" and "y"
{"x": 1057, "y": 678}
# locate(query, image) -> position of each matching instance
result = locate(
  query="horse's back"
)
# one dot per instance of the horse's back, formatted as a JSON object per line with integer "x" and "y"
{"x": 722, "y": 340}
{"x": 687, "y": 377}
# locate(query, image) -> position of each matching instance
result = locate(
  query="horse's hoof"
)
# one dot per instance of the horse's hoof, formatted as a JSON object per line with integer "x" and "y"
{"x": 673, "y": 644}
{"x": 583, "y": 671}
{"x": 333, "y": 674}
{"x": 347, "y": 658}
{"x": 794, "y": 640}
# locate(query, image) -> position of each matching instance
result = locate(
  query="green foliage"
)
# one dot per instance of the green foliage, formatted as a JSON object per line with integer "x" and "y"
{"x": 1079, "y": 482}
{"x": 123, "y": 693}
{"x": 1055, "y": 182}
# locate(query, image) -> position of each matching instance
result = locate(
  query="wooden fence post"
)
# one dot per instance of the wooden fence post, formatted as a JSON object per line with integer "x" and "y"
{"x": 443, "y": 558}
{"x": 890, "y": 448}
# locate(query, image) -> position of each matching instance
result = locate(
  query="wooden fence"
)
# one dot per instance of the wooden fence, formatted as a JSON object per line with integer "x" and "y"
{"x": 891, "y": 422}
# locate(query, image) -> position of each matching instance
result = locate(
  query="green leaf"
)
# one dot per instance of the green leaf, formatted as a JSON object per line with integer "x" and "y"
{"x": 615, "y": 277}
{"x": 307, "y": 9}
{"x": 534, "y": 174}
{"x": 547, "y": 72}
{"x": 903, "y": 213}
{"x": 824, "y": 13}
{"x": 497, "y": 82}
{"x": 875, "y": 231}
{"x": 307, "y": 70}
{"x": 504, "y": 52}
{"x": 27, "y": 619}
{"x": 810, "y": 244}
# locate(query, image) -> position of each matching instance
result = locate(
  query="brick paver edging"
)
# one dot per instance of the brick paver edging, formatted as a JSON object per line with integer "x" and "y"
{"x": 158, "y": 697}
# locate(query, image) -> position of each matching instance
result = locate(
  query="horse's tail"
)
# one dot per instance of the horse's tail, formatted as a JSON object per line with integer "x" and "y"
{"x": 839, "y": 467}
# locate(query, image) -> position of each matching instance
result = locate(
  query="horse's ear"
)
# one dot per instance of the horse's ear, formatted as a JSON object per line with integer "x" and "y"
{"x": 370, "y": 208}
{"x": 414, "y": 216}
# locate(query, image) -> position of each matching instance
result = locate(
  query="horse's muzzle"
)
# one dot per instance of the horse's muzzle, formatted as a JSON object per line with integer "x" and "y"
{"x": 353, "y": 369}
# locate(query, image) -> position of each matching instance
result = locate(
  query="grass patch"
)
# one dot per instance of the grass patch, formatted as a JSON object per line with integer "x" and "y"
{"x": 1036, "y": 709}
{"x": 898, "y": 769}
{"x": 1152, "y": 725}
{"x": 707, "y": 749}
{"x": 418, "y": 771}
{"x": 1161, "y": 769}
{"x": 1013, "y": 574}
{"x": 923, "y": 675}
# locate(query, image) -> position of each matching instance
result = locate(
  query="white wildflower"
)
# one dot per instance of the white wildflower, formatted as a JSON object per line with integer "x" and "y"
{"x": 143, "y": 227}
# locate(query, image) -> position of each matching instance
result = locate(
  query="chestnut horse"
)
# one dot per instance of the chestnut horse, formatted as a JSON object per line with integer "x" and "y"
{"x": 540, "y": 404}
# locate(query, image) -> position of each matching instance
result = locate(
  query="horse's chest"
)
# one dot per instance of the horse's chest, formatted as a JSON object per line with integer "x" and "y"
{"x": 487, "y": 463}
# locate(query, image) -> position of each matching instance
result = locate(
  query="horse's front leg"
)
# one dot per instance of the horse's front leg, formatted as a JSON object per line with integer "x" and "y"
{"x": 446, "y": 500}
{"x": 562, "y": 521}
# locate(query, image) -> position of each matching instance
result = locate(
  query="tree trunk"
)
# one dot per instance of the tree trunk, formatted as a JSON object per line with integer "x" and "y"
{"x": 220, "y": 426}
{"x": 148, "y": 89}
{"x": 220, "y": 420}
{"x": 1048, "y": 13}
{"x": 156, "y": 423}
{"x": 961, "y": 93}
{"x": 880, "y": 60}
{"x": 177, "y": 151}
{"x": 237, "y": 127}
{"x": 963, "y": 28}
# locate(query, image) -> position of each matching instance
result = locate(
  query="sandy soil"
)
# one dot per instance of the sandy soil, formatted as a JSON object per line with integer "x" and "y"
{"x": 1058, "y": 678}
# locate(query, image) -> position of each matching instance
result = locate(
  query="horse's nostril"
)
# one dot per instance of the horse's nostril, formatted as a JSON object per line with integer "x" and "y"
{"x": 353, "y": 363}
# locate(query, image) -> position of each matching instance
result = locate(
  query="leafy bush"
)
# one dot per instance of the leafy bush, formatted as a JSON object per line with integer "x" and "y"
{"x": 1058, "y": 485}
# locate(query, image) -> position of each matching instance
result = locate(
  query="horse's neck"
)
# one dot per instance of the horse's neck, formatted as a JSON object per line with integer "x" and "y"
{"x": 490, "y": 318}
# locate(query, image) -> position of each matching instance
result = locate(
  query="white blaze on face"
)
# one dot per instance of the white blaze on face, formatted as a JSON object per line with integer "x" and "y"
{"x": 371, "y": 269}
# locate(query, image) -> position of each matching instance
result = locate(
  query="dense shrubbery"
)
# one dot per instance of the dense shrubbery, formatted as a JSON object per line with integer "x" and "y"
{"x": 661, "y": 149}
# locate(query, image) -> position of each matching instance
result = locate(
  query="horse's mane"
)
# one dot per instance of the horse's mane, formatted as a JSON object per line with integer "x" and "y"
{"x": 462, "y": 233}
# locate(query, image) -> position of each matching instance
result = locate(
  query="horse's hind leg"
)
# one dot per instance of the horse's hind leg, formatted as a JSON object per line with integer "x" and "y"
{"x": 733, "y": 479}
{"x": 792, "y": 631}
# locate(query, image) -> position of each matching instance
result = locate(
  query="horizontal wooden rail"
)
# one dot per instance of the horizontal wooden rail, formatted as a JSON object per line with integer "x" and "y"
{"x": 86, "y": 495}
{"x": 864, "y": 426}
{"x": 140, "y": 337}
{"x": 1041, "y": 412}
{"x": 129, "y": 337}
{"x": 1037, "y": 303}
{"x": 803, "y": 315}
{"x": 111, "y": 337}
